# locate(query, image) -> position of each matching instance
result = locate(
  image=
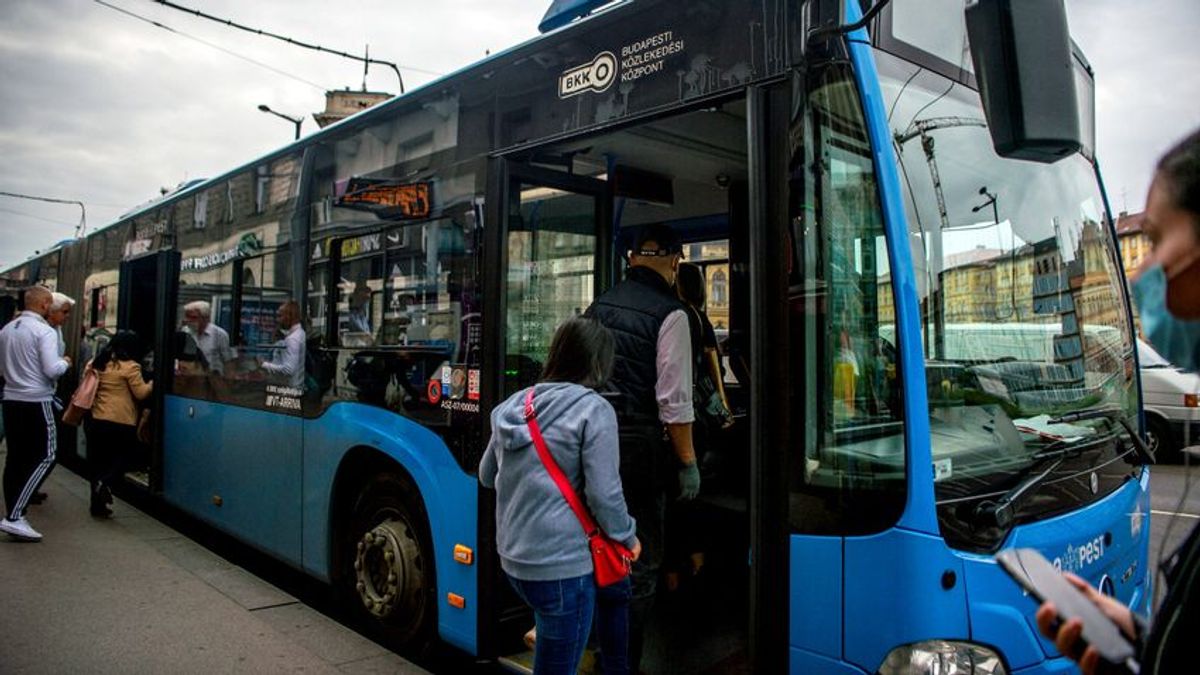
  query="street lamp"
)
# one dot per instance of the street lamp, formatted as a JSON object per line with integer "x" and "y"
{"x": 991, "y": 201}
{"x": 294, "y": 120}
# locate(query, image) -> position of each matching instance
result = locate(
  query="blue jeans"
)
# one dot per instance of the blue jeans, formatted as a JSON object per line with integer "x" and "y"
{"x": 563, "y": 611}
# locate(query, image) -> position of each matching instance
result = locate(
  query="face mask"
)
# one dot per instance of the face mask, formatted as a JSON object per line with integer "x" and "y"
{"x": 1178, "y": 341}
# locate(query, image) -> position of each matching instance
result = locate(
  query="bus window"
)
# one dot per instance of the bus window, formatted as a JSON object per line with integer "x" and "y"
{"x": 712, "y": 257}
{"x": 1015, "y": 272}
{"x": 204, "y": 319}
{"x": 318, "y": 299}
{"x": 102, "y": 307}
{"x": 408, "y": 324}
{"x": 851, "y": 478}
{"x": 360, "y": 291}
{"x": 263, "y": 286}
{"x": 551, "y": 261}
{"x": 430, "y": 290}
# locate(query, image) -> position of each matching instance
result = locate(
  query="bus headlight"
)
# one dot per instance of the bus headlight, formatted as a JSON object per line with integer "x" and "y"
{"x": 943, "y": 657}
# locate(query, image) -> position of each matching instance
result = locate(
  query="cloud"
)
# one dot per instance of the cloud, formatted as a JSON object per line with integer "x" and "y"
{"x": 1145, "y": 56}
{"x": 104, "y": 108}
{"x": 101, "y": 107}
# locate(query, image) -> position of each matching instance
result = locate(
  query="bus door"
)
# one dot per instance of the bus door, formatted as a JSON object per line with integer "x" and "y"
{"x": 558, "y": 259}
{"x": 549, "y": 259}
{"x": 554, "y": 251}
{"x": 146, "y": 306}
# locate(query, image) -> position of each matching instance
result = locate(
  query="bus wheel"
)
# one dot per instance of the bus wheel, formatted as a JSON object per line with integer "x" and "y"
{"x": 392, "y": 577}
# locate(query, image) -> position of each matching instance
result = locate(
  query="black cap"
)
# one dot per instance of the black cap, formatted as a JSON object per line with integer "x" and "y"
{"x": 666, "y": 238}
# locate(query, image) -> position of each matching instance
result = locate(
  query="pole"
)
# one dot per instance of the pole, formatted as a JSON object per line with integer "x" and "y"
{"x": 79, "y": 229}
{"x": 294, "y": 120}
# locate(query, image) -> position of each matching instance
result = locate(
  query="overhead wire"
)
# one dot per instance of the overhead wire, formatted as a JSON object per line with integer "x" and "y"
{"x": 298, "y": 43}
{"x": 79, "y": 229}
{"x": 24, "y": 214}
{"x": 206, "y": 43}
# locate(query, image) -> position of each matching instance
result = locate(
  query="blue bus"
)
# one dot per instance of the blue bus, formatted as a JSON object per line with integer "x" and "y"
{"x": 857, "y": 187}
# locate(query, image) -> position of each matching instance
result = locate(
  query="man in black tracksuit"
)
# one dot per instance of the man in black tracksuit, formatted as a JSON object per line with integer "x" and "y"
{"x": 652, "y": 373}
{"x": 30, "y": 363}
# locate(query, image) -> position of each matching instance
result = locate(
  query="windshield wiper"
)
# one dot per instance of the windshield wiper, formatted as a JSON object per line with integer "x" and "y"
{"x": 1143, "y": 452}
{"x": 1000, "y": 513}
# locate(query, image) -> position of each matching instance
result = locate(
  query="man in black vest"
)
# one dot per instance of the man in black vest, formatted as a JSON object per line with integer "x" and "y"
{"x": 652, "y": 373}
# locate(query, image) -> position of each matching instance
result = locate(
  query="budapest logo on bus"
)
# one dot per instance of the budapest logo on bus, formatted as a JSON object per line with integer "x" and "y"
{"x": 595, "y": 76}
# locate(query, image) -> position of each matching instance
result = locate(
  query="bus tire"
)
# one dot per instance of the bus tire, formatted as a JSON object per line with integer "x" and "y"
{"x": 390, "y": 577}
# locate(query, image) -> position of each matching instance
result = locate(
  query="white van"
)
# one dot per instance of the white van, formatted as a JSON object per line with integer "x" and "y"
{"x": 1171, "y": 398}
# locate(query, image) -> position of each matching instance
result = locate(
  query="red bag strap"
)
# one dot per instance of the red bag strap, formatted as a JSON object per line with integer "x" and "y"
{"x": 585, "y": 518}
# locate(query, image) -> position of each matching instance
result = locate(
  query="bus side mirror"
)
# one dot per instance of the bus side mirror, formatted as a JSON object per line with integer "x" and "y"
{"x": 1026, "y": 71}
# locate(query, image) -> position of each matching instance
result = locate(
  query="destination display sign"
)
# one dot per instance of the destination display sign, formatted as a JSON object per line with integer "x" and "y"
{"x": 388, "y": 199}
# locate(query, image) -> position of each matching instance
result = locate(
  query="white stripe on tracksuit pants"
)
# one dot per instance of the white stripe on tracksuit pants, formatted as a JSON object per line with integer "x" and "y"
{"x": 32, "y": 442}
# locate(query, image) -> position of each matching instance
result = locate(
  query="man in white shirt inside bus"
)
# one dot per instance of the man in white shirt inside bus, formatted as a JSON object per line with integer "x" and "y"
{"x": 211, "y": 339}
{"x": 30, "y": 364}
{"x": 287, "y": 362}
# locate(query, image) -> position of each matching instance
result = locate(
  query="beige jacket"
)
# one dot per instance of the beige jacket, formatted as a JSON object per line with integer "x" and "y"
{"x": 121, "y": 387}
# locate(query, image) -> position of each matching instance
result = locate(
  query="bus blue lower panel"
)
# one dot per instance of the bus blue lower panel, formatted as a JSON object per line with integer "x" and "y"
{"x": 1059, "y": 665}
{"x": 450, "y": 496}
{"x": 815, "y": 610}
{"x": 801, "y": 662}
{"x": 238, "y": 469}
{"x": 895, "y": 594}
{"x": 268, "y": 479}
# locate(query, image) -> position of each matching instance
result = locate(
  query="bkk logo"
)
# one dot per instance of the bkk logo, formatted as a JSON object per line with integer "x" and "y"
{"x": 595, "y": 76}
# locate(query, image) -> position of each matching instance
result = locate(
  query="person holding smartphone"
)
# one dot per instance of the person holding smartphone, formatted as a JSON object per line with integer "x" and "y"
{"x": 1167, "y": 293}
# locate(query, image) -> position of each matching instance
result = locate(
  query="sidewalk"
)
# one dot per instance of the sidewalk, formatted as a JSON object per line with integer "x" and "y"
{"x": 130, "y": 595}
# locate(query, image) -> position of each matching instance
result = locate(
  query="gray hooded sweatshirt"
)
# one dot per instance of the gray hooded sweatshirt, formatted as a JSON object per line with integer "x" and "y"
{"x": 538, "y": 536}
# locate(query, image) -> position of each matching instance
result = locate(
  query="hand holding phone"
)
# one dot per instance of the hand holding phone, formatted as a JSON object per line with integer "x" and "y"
{"x": 1077, "y": 613}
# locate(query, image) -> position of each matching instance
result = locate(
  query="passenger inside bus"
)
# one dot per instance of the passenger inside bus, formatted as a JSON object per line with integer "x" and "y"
{"x": 358, "y": 329}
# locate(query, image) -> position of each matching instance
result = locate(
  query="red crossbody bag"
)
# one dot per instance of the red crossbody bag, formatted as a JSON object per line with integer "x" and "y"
{"x": 610, "y": 559}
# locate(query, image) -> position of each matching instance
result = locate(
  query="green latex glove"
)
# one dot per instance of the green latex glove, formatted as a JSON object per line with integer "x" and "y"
{"x": 689, "y": 481}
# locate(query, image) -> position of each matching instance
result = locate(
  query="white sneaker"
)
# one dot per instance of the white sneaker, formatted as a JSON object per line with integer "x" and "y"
{"x": 21, "y": 529}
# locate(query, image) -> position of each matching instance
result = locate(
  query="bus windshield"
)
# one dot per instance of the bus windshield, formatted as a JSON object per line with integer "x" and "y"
{"x": 1022, "y": 314}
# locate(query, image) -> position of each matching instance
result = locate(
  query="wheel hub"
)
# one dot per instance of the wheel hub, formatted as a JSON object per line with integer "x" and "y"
{"x": 385, "y": 567}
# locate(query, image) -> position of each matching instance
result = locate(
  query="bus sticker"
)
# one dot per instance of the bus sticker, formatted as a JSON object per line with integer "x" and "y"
{"x": 283, "y": 398}
{"x": 943, "y": 469}
{"x": 458, "y": 383}
{"x": 473, "y": 384}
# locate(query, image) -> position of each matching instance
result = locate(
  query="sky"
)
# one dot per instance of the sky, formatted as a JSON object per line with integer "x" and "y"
{"x": 104, "y": 108}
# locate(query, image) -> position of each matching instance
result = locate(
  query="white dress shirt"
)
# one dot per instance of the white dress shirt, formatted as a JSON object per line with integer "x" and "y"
{"x": 673, "y": 389}
{"x": 213, "y": 342}
{"x": 288, "y": 359}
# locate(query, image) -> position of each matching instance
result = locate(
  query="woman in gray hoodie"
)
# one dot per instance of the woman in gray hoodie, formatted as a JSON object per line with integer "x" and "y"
{"x": 543, "y": 548}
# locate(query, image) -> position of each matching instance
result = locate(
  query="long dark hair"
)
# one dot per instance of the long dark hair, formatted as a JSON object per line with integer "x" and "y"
{"x": 690, "y": 282}
{"x": 581, "y": 352}
{"x": 124, "y": 346}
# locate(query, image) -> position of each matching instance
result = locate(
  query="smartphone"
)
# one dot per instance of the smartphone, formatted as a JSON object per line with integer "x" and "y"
{"x": 1045, "y": 583}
